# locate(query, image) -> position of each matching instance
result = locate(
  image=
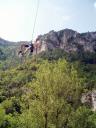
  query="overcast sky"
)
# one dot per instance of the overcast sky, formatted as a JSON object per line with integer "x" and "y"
{"x": 17, "y": 17}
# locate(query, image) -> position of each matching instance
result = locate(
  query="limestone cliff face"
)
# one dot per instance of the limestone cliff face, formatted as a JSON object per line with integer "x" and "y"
{"x": 68, "y": 40}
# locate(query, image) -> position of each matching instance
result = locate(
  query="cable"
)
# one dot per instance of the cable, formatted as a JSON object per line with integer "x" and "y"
{"x": 38, "y": 1}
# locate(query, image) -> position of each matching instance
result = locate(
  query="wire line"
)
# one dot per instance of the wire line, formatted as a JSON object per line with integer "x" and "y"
{"x": 38, "y": 1}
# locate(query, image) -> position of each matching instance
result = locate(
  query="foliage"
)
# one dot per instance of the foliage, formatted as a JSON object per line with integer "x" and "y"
{"x": 81, "y": 118}
{"x": 46, "y": 94}
{"x": 2, "y": 55}
{"x": 80, "y": 55}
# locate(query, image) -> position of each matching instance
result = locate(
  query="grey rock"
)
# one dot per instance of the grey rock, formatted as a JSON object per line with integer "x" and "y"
{"x": 89, "y": 99}
{"x": 68, "y": 40}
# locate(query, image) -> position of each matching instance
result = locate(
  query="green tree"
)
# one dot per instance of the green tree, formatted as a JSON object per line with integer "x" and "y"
{"x": 82, "y": 118}
{"x": 57, "y": 89}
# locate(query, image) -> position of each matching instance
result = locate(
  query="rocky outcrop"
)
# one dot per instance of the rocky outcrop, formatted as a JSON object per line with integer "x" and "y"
{"x": 89, "y": 99}
{"x": 68, "y": 40}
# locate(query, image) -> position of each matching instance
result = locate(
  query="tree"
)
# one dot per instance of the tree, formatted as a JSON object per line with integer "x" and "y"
{"x": 57, "y": 89}
{"x": 82, "y": 118}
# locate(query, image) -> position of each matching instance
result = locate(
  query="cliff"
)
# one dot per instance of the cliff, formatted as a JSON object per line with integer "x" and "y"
{"x": 68, "y": 40}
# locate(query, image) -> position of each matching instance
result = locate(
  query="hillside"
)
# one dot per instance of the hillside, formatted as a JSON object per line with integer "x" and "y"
{"x": 67, "y": 43}
{"x": 9, "y": 52}
{"x": 53, "y": 89}
{"x": 6, "y": 43}
{"x": 38, "y": 93}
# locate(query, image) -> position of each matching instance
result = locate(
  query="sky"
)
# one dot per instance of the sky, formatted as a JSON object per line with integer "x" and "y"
{"x": 17, "y": 17}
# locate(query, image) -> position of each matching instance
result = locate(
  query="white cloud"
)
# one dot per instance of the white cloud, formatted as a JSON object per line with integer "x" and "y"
{"x": 95, "y": 4}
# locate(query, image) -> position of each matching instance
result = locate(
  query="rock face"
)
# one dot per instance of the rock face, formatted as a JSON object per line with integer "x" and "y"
{"x": 68, "y": 40}
{"x": 89, "y": 99}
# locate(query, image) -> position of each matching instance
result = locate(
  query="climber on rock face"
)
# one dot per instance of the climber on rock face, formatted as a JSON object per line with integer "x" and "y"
{"x": 36, "y": 46}
{"x": 29, "y": 47}
{"x": 25, "y": 48}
